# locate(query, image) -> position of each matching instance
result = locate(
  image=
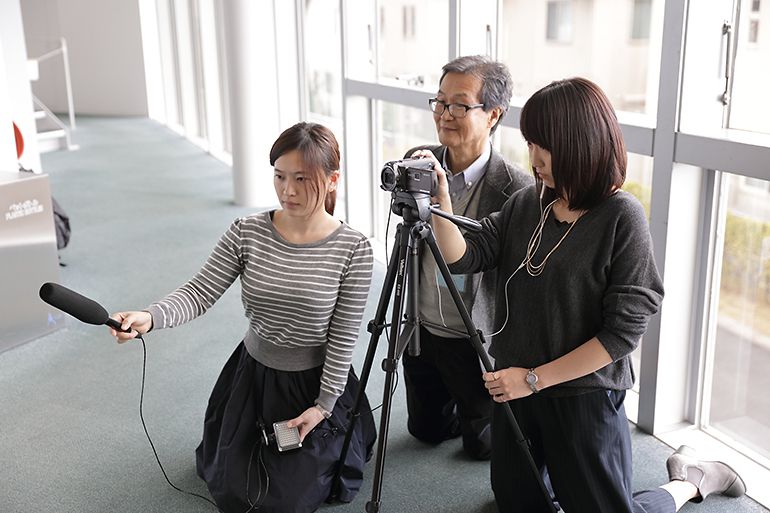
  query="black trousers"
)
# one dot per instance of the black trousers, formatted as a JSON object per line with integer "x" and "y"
{"x": 582, "y": 443}
{"x": 445, "y": 394}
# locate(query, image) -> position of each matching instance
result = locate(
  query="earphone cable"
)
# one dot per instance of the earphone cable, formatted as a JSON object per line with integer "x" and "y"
{"x": 535, "y": 270}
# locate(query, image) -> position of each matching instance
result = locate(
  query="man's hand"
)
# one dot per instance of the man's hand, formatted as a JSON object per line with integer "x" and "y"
{"x": 442, "y": 196}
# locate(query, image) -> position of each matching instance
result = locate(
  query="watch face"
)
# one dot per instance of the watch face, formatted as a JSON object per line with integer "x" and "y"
{"x": 531, "y": 378}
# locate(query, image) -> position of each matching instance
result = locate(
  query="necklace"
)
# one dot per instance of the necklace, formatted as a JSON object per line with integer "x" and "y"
{"x": 537, "y": 237}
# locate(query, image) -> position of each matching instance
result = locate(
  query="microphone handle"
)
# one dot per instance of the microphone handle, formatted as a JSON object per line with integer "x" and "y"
{"x": 112, "y": 323}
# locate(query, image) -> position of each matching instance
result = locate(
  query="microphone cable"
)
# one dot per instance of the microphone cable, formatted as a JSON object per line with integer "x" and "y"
{"x": 147, "y": 433}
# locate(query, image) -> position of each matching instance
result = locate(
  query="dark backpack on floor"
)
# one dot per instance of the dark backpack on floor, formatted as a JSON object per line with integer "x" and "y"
{"x": 61, "y": 222}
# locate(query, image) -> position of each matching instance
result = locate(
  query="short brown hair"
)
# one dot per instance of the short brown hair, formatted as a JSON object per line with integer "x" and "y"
{"x": 575, "y": 122}
{"x": 320, "y": 154}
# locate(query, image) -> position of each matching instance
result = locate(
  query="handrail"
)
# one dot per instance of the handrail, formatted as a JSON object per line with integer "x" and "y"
{"x": 64, "y": 52}
{"x": 53, "y": 117}
{"x": 68, "y": 82}
{"x": 48, "y": 55}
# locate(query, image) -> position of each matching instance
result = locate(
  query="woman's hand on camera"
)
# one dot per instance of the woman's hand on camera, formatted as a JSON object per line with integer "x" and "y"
{"x": 507, "y": 384}
{"x": 308, "y": 420}
{"x": 442, "y": 196}
{"x": 137, "y": 322}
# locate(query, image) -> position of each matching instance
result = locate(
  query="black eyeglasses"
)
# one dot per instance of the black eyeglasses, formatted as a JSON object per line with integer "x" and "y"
{"x": 456, "y": 110}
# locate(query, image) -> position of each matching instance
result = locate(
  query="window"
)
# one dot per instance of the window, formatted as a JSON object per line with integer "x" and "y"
{"x": 513, "y": 146}
{"x": 600, "y": 50}
{"x": 755, "y": 184}
{"x": 639, "y": 179}
{"x": 640, "y": 22}
{"x": 406, "y": 54}
{"x": 169, "y": 62}
{"x": 559, "y": 21}
{"x": 753, "y": 31}
{"x": 409, "y": 25}
{"x": 322, "y": 73}
{"x": 737, "y": 404}
{"x": 749, "y": 108}
{"x": 382, "y": 19}
{"x": 755, "y": 6}
{"x": 478, "y": 26}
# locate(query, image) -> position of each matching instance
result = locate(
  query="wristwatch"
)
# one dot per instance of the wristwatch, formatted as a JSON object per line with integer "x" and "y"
{"x": 531, "y": 379}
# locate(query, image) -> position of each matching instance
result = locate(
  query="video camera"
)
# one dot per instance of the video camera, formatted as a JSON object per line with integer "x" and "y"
{"x": 415, "y": 175}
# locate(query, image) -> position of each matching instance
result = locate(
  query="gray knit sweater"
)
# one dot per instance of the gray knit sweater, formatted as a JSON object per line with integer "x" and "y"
{"x": 304, "y": 302}
{"x": 601, "y": 282}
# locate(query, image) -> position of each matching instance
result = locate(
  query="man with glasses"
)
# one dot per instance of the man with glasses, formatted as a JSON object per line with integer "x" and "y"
{"x": 445, "y": 394}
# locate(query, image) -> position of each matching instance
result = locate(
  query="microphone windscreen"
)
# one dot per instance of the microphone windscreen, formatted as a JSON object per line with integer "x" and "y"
{"x": 69, "y": 301}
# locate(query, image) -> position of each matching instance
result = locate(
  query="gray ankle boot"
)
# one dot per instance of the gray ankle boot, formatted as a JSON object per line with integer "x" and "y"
{"x": 707, "y": 476}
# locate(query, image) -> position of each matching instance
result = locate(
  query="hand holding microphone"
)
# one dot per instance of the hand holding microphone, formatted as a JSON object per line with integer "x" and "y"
{"x": 125, "y": 326}
{"x": 132, "y": 324}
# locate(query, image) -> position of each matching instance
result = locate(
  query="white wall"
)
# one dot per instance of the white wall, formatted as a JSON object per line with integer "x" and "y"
{"x": 105, "y": 54}
{"x": 15, "y": 97}
{"x": 7, "y": 145}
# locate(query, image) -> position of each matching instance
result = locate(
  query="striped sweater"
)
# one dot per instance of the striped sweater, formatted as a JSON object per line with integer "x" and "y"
{"x": 304, "y": 302}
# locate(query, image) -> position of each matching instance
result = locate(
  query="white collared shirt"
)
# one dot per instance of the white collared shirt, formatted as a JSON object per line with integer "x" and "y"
{"x": 463, "y": 181}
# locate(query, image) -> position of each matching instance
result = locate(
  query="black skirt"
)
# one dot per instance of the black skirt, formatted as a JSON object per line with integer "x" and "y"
{"x": 243, "y": 472}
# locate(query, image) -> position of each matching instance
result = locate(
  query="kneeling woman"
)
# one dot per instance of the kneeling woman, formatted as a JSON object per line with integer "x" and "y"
{"x": 577, "y": 286}
{"x": 305, "y": 279}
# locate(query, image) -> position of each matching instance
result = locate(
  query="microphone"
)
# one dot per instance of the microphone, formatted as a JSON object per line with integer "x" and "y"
{"x": 80, "y": 307}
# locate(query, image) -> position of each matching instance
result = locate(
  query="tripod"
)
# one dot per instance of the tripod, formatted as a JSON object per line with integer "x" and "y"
{"x": 402, "y": 272}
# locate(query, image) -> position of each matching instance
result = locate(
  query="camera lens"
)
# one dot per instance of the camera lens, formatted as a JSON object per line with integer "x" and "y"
{"x": 388, "y": 177}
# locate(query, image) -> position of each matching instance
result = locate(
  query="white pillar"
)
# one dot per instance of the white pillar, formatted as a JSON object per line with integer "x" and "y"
{"x": 16, "y": 98}
{"x": 7, "y": 139}
{"x": 254, "y": 106}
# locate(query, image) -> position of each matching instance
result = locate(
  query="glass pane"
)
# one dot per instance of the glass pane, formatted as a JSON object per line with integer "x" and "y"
{"x": 478, "y": 20}
{"x": 749, "y": 109}
{"x": 400, "y": 129}
{"x": 567, "y": 38}
{"x": 211, "y": 69}
{"x": 323, "y": 71}
{"x": 559, "y": 21}
{"x": 640, "y": 21}
{"x": 639, "y": 179}
{"x": 323, "y": 62}
{"x": 187, "y": 72}
{"x": 740, "y": 404}
{"x": 168, "y": 56}
{"x": 413, "y": 41}
{"x": 513, "y": 146}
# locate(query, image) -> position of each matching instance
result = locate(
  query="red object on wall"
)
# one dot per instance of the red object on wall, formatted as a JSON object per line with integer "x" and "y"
{"x": 19, "y": 141}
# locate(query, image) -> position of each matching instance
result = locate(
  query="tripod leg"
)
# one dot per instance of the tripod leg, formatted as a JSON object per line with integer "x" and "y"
{"x": 390, "y": 366}
{"x": 476, "y": 339}
{"x": 375, "y": 328}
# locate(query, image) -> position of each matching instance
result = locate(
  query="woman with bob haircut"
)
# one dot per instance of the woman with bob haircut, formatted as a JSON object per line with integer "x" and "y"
{"x": 305, "y": 279}
{"x": 577, "y": 285}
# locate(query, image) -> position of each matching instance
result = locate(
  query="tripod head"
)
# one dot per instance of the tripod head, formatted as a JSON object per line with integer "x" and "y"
{"x": 412, "y": 206}
{"x": 416, "y": 206}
